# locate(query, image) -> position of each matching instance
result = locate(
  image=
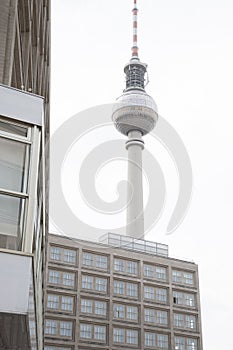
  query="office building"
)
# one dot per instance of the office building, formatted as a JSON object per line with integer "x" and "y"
{"x": 24, "y": 131}
{"x": 123, "y": 294}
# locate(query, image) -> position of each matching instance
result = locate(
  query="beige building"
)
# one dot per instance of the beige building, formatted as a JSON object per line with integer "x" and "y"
{"x": 120, "y": 294}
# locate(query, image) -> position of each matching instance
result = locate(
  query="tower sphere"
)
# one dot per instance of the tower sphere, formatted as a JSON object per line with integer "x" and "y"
{"x": 135, "y": 110}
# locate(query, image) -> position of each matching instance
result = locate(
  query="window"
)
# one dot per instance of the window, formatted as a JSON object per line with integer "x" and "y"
{"x": 54, "y": 277}
{"x": 154, "y": 316}
{"x": 55, "y": 253}
{"x": 88, "y": 259}
{"x": 162, "y": 317}
{"x": 118, "y": 335}
{"x": 189, "y": 300}
{"x": 86, "y": 306}
{"x": 127, "y": 336}
{"x": 149, "y": 315}
{"x": 62, "y": 328}
{"x": 188, "y": 278}
{"x": 89, "y": 331}
{"x": 149, "y": 339}
{"x": 183, "y": 277}
{"x": 68, "y": 279}
{"x": 177, "y": 298}
{"x": 94, "y": 260}
{"x": 53, "y": 301}
{"x": 67, "y": 303}
{"x": 153, "y": 271}
{"x": 119, "y": 287}
{"x": 119, "y": 265}
{"x": 179, "y": 343}
{"x": 14, "y": 169}
{"x": 162, "y": 341}
{"x": 87, "y": 282}
{"x": 190, "y": 321}
{"x": 176, "y": 276}
{"x": 160, "y": 272}
{"x": 178, "y": 320}
{"x": 132, "y": 313}
{"x": 148, "y": 271}
{"x": 101, "y": 284}
{"x": 149, "y": 292}
{"x": 94, "y": 283}
{"x": 59, "y": 277}
{"x": 182, "y": 343}
{"x": 100, "y": 308}
{"x": 132, "y": 290}
{"x": 127, "y": 266}
{"x": 125, "y": 312}
{"x": 132, "y": 267}
{"x": 66, "y": 329}
{"x": 161, "y": 295}
{"x": 85, "y": 331}
{"x": 101, "y": 262}
{"x": 70, "y": 256}
{"x": 100, "y": 333}
{"x": 51, "y": 327}
{"x": 191, "y": 344}
{"x": 119, "y": 311}
{"x": 131, "y": 337}
{"x": 185, "y": 321}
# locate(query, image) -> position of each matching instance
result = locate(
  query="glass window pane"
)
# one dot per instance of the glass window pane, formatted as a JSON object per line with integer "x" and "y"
{"x": 13, "y": 129}
{"x": 66, "y": 329}
{"x": 70, "y": 256}
{"x": 85, "y": 331}
{"x": 119, "y": 311}
{"x": 13, "y": 165}
{"x": 101, "y": 262}
{"x": 118, "y": 335}
{"x": 86, "y": 306}
{"x": 11, "y": 221}
{"x": 100, "y": 308}
{"x": 68, "y": 279}
{"x": 101, "y": 284}
{"x": 55, "y": 253}
{"x": 100, "y": 333}
{"x": 131, "y": 337}
{"x": 67, "y": 303}
{"x": 149, "y": 339}
{"x": 53, "y": 301}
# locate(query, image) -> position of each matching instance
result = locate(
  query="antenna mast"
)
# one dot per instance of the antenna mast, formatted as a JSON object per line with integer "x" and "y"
{"x": 135, "y": 31}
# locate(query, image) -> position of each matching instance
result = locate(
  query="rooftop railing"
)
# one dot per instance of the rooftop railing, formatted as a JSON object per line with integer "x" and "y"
{"x": 130, "y": 243}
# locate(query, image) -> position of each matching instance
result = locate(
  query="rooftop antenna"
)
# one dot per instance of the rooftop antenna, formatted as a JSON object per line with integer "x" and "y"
{"x": 135, "y": 31}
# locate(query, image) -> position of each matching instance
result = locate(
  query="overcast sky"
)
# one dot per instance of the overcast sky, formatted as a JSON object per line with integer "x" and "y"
{"x": 188, "y": 46}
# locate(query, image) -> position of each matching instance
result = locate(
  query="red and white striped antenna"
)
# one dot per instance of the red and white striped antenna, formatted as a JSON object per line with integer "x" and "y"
{"x": 135, "y": 31}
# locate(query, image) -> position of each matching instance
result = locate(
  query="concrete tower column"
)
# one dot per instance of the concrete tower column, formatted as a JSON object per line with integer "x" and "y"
{"x": 135, "y": 115}
{"x": 135, "y": 217}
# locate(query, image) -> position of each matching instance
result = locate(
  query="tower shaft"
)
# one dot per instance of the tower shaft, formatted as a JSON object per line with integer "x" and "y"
{"x": 135, "y": 217}
{"x": 135, "y": 115}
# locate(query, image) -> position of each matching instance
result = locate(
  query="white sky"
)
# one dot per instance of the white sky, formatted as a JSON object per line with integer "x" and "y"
{"x": 188, "y": 46}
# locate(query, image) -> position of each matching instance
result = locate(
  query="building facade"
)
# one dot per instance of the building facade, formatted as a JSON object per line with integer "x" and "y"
{"x": 113, "y": 296}
{"x": 24, "y": 132}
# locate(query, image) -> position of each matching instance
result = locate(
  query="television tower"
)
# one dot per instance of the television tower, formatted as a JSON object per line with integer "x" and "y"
{"x": 135, "y": 115}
